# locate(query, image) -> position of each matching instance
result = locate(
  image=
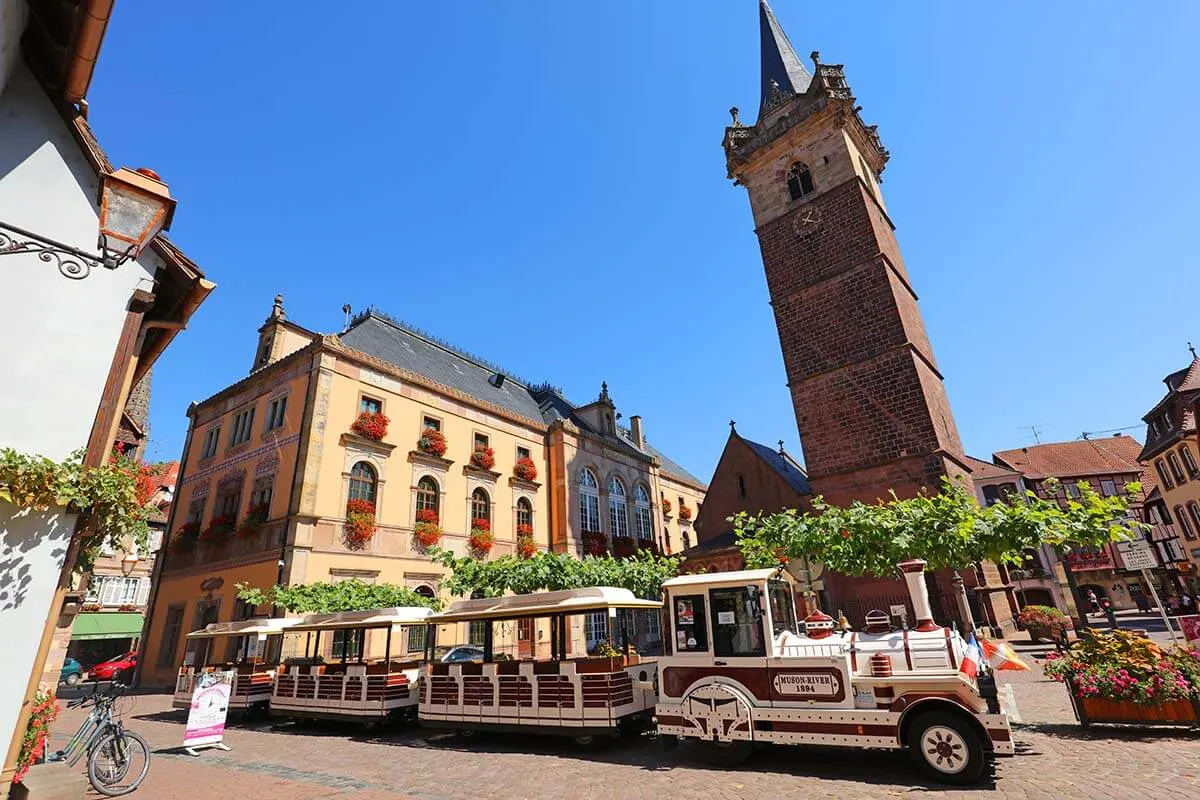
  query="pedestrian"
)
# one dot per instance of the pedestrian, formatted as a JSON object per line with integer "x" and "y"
{"x": 1143, "y": 602}
{"x": 1095, "y": 602}
{"x": 1109, "y": 612}
{"x": 1186, "y": 604}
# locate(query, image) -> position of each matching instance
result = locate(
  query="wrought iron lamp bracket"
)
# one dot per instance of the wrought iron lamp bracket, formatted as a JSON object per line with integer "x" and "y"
{"x": 72, "y": 262}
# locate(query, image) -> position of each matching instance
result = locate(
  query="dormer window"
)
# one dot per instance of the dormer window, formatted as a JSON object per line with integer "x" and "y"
{"x": 799, "y": 180}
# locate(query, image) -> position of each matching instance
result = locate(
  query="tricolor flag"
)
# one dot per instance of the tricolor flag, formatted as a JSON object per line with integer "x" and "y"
{"x": 1001, "y": 656}
{"x": 971, "y": 658}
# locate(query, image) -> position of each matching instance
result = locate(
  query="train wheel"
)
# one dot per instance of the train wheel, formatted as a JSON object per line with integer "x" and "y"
{"x": 947, "y": 748}
{"x": 725, "y": 754}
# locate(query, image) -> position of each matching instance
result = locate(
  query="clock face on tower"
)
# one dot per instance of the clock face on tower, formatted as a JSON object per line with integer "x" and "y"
{"x": 806, "y": 221}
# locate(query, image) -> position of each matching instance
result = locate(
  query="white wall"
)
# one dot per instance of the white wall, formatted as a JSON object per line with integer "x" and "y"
{"x": 12, "y": 23}
{"x": 61, "y": 333}
{"x": 32, "y": 549}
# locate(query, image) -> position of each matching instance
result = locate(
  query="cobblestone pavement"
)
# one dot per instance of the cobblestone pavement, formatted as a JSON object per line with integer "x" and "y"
{"x": 278, "y": 761}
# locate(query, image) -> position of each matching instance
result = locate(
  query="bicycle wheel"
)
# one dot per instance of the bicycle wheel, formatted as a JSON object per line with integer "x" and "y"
{"x": 118, "y": 763}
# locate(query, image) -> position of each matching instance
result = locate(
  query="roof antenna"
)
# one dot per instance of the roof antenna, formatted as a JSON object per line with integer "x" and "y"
{"x": 1035, "y": 430}
{"x": 346, "y": 311}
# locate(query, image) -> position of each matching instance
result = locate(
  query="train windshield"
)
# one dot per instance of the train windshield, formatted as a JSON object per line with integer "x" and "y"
{"x": 783, "y": 607}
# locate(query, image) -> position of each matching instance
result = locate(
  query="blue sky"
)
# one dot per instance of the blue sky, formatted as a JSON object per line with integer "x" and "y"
{"x": 542, "y": 183}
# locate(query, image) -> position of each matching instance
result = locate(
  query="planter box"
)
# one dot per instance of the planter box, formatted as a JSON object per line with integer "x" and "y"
{"x": 1046, "y": 633}
{"x": 1090, "y": 710}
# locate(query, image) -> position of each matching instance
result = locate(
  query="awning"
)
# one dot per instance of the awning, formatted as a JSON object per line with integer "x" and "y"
{"x": 101, "y": 625}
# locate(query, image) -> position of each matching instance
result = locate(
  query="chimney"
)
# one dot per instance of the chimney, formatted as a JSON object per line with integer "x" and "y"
{"x": 635, "y": 430}
{"x": 918, "y": 592}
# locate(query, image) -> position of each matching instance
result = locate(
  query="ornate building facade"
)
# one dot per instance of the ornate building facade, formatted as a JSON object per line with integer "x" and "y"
{"x": 274, "y": 465}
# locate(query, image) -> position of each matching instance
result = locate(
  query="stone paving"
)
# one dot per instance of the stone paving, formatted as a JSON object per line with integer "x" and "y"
{"x": 279, "y": 761}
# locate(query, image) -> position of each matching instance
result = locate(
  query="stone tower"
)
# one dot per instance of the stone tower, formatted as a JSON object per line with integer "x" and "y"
{"x": 868, "y": 396}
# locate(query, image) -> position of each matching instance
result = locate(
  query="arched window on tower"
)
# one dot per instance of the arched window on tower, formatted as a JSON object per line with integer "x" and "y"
{"x": 641, "y": 511}
{"x": 618, "y": 515}
{"x": 362, "y": 482}
{"x": 428, "y": 497}
{"x": 799, "y": 180}
{"x": 481, "y": 506}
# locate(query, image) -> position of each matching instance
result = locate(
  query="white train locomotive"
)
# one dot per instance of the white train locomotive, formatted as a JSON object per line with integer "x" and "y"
{"x": 737, "y": 668}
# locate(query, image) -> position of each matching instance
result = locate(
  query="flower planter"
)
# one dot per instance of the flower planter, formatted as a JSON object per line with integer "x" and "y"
{"x": 1089, "y": 710}
{"x": 1043, "y": 633}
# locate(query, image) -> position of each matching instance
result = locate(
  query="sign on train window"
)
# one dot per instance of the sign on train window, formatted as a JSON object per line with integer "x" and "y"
{"x": 691, "y": 630}
{"x": 737, "y": 622}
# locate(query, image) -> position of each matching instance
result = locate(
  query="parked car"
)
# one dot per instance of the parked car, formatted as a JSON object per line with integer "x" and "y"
{"x": 71, "y": 673}
{"x": 115, "y": 668}
{"x": 461, "y": 653}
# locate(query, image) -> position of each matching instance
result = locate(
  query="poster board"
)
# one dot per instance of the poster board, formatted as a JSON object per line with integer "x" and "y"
{"x": 209, "y": 709}
{"x": 1190, "y": 625}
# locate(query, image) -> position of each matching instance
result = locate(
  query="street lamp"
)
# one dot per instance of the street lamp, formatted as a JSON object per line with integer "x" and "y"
{"x": 135, "y": 205}
{"x": 129, "y": 563}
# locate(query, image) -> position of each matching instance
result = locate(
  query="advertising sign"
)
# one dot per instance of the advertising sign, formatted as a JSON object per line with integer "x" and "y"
{"x": 210, "y": 707}
{"x": 1190, "y": 626}
{"x": 809, "y": 684}
{"x": 1137, "y": 554}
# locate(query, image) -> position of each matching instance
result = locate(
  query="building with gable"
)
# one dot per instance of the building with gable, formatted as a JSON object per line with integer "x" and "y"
{"x": 273, "y": 464}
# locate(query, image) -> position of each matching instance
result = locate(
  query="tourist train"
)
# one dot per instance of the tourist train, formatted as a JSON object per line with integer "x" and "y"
{"x": 722, "y": 663}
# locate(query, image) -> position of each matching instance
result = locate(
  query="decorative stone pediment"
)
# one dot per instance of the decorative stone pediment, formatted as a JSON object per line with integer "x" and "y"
{"x": 480, "y": 474}
{"x": 433, "y": 462}
{"x": 518, "y": 483}
{"x": 363, "y": 444}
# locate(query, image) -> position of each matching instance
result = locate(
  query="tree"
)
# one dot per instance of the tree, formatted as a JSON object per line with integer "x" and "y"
{"x": 328, "y": 598}
{"x": 948, "y": 529}
{"x": 643, "y": 574}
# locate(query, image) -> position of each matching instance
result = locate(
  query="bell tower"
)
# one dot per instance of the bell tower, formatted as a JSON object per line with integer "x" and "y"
{"x": 868, "y": 397}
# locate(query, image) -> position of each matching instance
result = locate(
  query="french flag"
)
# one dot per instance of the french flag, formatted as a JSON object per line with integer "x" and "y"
{"x": 972, "y": 656}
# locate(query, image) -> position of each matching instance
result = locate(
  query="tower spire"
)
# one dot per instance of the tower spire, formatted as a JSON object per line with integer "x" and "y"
{"x": 780, "y": 65}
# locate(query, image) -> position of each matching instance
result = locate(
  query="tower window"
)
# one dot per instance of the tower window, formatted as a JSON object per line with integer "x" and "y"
{"x": 741, "y": 486}
{"x": 799, "y": 180}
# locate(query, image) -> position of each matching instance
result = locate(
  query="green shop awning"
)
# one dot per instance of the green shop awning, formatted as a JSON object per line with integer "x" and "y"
{"x": 101, "y": 625}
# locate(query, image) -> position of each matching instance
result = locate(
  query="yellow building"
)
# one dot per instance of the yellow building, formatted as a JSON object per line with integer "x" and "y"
{"x": 273, "y": 458}
{"x": 1173, "y": 451}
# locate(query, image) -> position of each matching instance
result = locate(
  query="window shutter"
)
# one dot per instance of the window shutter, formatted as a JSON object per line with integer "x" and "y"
{"x": 143, "y": 591}
{"x": 110, "y": 592}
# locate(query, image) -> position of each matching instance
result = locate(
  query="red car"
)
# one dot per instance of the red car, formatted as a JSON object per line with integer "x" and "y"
{"x": 117, "y": 667}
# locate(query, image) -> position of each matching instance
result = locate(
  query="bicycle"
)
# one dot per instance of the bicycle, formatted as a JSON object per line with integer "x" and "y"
{"x": 110, "y": 749}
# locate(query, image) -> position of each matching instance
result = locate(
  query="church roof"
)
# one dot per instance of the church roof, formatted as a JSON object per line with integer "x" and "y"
{"x": 783, "y": 464}
{"x": 780, "y": 64}
{"x": 985, "y": 470}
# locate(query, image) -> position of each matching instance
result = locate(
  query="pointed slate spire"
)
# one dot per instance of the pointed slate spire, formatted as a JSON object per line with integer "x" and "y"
{"x": 780, "y": 64}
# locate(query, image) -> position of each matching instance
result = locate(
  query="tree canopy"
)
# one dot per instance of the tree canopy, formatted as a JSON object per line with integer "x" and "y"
{"x": 642, "y": 574}
{"x": 948, "y": 529}
{"x": 328, "y": 598}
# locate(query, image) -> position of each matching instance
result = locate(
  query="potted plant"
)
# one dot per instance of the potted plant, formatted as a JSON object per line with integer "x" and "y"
{"x": 1044, "y": 622}
{"x": 1117, "y": 676}
{"x": 432, "y": 442}
{"x": 360, "y": 523}
{"x": 623, "y": 546}
{"x": 595, "y": 543}
{"x": 685, "y": 513}
{"x": 526, "y": 547}
{"x": 483, "y": 457}
{"x": 481, "y": 538}
{"x": 186, "y": 536}
{"x": 525, "y": 469}
{"x": 219, "y": 528}
{"x": 428, "y": 530}
{"x": 33, "y": 742}
{"x": 666, "y": 507}
{"x": 253, "y": 522}
{"x": 370, "y": 425}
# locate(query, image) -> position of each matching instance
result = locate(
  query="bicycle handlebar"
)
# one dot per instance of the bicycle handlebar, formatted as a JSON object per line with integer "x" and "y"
{"x": 114, "y": 689}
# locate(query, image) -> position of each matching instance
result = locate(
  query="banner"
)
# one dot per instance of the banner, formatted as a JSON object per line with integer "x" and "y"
{"x": 210, "y": 706}
{"x": 1190, "y": 626}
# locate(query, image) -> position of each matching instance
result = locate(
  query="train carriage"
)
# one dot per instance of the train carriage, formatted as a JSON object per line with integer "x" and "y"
{"x": 251, "y": 650}
{"x": 550, "y": 684}
{"x": 736, "y": 672}
{"x": 354, "y": 666}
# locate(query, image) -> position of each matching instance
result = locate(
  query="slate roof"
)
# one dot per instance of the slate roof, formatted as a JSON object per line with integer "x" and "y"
{"x": 779, "y": 60}
{"x": 986, "y": 470}
{"x": 784, "y": 464}
{"x": 724, "y": 541}
{"x": 1183, "y": 388}
{"x": 390, "y": 340}
{"x": 1107, "y": 456}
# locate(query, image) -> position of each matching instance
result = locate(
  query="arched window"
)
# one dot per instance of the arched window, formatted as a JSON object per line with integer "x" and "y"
{"x": 1189, "y": 461}
{"x": 524, "y": 512}
{"x": 641, "y": 513}
{"x": 589, "y": 502}
{"x": 428, "y": 497}
{"x": 618, "y": 514}
{"x": 799, "y": 180}
{"x": 1194, "y": 510}
{"x": 363, "y": 482}
{"x": 425, "y": 591}
{"x": 1176, "y": 470}
{"x": 1184, "y": 524}
{"x": 1163, "y": 477}
{"x": 481, "y": 506}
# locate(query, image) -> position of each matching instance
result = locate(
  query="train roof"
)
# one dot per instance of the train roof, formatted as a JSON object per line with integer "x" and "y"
{"x": 244, "y": 627}
{"x": 370, "y": 618}
{"x": 740, "y": 576}
{"x": 543, "y": 604}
